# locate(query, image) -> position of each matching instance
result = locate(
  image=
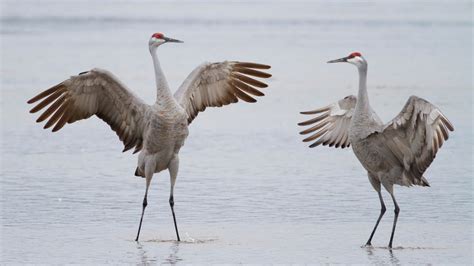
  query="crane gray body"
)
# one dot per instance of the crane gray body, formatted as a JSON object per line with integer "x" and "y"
{"x": 398, "y": 152}
{"x": 171, "y": 126}
{"x": 157, "y": 131}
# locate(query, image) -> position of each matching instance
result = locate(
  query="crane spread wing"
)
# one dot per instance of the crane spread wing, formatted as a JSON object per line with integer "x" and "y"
{"x": 218, "y": 84}
{"x": 95, "y": 92}
{"x": 414, "y": 136}
{"x": 331, "y": 126}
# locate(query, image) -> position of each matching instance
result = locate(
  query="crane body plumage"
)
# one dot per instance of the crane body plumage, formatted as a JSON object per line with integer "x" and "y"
{"x": 172, "y": 128}
{"x": 157, "y": 131}
{"x": 398, "y": 152}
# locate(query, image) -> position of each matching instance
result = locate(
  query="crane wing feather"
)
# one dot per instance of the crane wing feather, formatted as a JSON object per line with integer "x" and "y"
{"x": 331, "y": 125}
{"x": 414, "y": 136}
{"x": 96, "y": 92}
{"x": 218, "y": 84}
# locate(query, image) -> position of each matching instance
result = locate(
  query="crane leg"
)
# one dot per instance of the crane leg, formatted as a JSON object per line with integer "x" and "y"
{"x": 382, "y": 211}
{"x": 397, "y": 210}
{"x": 173, "y": 169}
{"x": 145, "y": 203}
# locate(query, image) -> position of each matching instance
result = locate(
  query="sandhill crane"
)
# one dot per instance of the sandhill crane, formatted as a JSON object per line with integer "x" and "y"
{"x": 398, "y": 152}
{"x": 158, "y": 131}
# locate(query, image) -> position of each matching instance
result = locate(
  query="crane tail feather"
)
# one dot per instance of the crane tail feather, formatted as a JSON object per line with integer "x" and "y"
{"x": 139, "y": 173}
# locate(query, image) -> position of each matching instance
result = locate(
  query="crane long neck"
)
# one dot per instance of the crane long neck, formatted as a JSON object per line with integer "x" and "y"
{"x": 362, "y": 97}
{"x": 163, "y": 93}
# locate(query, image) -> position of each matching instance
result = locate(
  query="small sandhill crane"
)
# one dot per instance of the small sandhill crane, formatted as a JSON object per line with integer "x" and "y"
{"x": 158, "y": 131}
{"x": 398, "y": 152}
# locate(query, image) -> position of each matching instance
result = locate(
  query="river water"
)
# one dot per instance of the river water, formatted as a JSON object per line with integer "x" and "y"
{"x": 248, "y": 190}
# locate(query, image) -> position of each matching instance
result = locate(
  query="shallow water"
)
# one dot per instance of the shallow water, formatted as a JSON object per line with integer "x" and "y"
{"x": 248, "y": 190}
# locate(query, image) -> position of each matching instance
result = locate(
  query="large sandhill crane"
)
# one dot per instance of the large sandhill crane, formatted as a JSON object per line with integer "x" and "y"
{"x": 398, "y": 152}
{"x": 158, "y": 131}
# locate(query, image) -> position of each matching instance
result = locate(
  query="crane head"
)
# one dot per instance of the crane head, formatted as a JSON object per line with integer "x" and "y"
{"x": 354, "y": 58}
{"x": 159, "y": 38}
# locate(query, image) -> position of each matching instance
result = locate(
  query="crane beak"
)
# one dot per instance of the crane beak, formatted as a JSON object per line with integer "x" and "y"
{"x": 340, "y": 60}
{"x": 171, "y": 40}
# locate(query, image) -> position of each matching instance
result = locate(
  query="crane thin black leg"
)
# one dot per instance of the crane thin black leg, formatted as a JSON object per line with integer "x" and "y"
{"x": 145, "y": 203}
{"x": 397, "y": 211}
{"x": 174, "y": 216}
{"x": 382, "y": 211}
{"x": 173, "y": 169}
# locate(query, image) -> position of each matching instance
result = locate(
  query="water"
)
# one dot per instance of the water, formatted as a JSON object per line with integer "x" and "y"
{"x": 248, "y": 190}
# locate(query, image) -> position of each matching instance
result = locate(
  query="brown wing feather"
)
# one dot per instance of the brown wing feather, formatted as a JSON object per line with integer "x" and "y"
{"x": 331, "y": 125}
{"x": 218, "y": 84}
{"x": 96, "y": 92}
{"x": 414, "y": 136}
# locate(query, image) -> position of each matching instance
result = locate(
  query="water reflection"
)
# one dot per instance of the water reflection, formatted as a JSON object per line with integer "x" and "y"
{"x": 394, "y": 258}
{"x": 173, "y": 257}
{"x": 381, "y": 258}
{"x": 142, "y": 254}
{"x": 170, "y": 257}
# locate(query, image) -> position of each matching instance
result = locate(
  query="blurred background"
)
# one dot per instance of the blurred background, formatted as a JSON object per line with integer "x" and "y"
{"x": 248, "y": 190}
